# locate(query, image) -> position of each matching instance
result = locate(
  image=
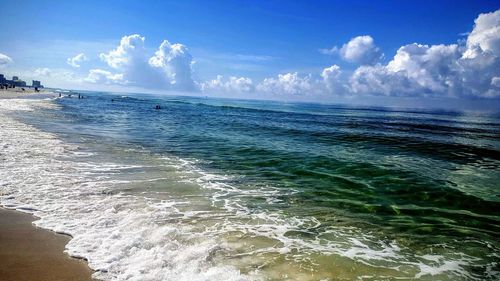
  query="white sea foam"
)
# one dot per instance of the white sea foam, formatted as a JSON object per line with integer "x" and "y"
{"x": 135, "y": 236}
{"x": 117, "y": 234}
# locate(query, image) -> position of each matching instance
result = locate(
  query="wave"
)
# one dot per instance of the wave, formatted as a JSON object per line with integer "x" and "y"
{"x": 128, "y": 228}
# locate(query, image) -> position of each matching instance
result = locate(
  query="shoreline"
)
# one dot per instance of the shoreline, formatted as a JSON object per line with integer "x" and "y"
{"x": 28, "y": 252}
{"x": 31, "y": 253}
{"x": 19, "y": 93}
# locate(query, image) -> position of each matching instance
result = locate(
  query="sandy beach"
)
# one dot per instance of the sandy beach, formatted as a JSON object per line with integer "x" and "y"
{"x": 29, "y": 253}
{"x": 19, "y": 93}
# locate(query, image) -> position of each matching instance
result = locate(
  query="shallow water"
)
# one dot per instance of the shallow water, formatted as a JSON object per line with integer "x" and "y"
{"x": 215, "y": 189}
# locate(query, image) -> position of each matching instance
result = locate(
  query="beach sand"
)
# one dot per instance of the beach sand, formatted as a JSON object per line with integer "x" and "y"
{"x": 29, "y": 253}
{"x": 19, "y": 93}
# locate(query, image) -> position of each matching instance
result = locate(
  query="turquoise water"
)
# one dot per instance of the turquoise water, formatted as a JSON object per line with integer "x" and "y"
{"x": 303, "y": 191}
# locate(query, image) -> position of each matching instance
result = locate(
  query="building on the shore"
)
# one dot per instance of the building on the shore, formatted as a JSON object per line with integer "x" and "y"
{"x": 3, "y": 81}
{"x": 36, "y": 84}
{"x": 16, "y": 82}
{"x": 20, "y": 83}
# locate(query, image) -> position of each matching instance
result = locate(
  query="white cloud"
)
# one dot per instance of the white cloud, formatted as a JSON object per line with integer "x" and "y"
{"x": 361, "y": 50}
{"x": 440, "y": 70}
{"x": 455, "y": 70}
{"x": 287, "y": 84}
{"x": 77, "y": 60}
{"x": 333, "y": 51}
{"x": 414, "y": 70}
{"x": 4, "y": 60}
{"x": 175, "y": 61}
{"x": 130, "y": 58}
{"x": 485, "y": 36}
{"x": 231, "y": 85}
{"x": 332, "y": 81}
{"x": 42, "y": 72}
{"x": 495, "y": 81}
{"x": 294, "y": 84}
{"x": 100, "y": 76}
{"x": 470, "y": 68}
{"x": 168, "y": 68}
{"x": 373, "y": 80}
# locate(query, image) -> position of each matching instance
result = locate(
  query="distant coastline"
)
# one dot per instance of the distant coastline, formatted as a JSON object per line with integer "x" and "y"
{"x": 16, "y": 82}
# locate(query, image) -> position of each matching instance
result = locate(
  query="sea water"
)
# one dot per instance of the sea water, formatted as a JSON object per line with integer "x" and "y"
{"x": 220, "y": 189}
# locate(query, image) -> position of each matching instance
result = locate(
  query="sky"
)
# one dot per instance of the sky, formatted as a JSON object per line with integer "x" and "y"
{"x": 395, "y": 53}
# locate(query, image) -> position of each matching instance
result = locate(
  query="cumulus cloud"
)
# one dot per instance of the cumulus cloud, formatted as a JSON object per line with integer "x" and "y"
{"x": 231, "y": 85}
{"x": 332, "y": 81}
{"x": 287, "y": 84}
{"x": 329, "y": 82}
{"x": 100, "y": 76}
{"x": 168, "y": 68}
{"x": 439, "y": 70}
{"x": 469, "y": 68}
{"x": 360, "y": 50}
{"x": 175, "y": 61}
{"x": 77, "y": 60}
{"x": 42, "y": 72}
{"x": 4, "y": 60}
{"x": 485, "y": 36}
{"x": 373, "y": 80}
{"x": 415, "y": 70}
{"x": 455, "y": 70}
{"x": 130, "y": 50}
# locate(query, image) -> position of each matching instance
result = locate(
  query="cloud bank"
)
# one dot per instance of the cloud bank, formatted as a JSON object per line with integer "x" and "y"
{"x": 104, "y": 77}
{"x": 287, "y": 84}
{"x": 439, "y": 70}
{"x": 463, "y": 70}
{"x": 231, "y": 85}
{"x": 467, "y": 69}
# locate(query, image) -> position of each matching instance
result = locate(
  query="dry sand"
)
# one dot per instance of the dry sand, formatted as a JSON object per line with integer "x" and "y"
{"x": 19, "y": 93}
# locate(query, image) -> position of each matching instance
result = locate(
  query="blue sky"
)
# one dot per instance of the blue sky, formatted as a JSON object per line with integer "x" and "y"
{"x": 255, "y": 40}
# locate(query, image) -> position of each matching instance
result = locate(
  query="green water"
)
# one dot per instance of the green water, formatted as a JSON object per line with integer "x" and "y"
{"x": 306, "y": 191}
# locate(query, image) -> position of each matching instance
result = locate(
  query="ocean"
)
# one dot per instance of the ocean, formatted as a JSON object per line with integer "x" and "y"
{"x": 221, "y": 189}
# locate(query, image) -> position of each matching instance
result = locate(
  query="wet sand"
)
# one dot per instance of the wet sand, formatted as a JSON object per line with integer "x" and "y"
{"x": 29, "y": 253}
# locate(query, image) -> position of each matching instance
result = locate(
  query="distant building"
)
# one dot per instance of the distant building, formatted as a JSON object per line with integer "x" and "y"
{"x": 16, "y": 82}
{"x": 36, "y": 84}
{"x": 19, "y": 83}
